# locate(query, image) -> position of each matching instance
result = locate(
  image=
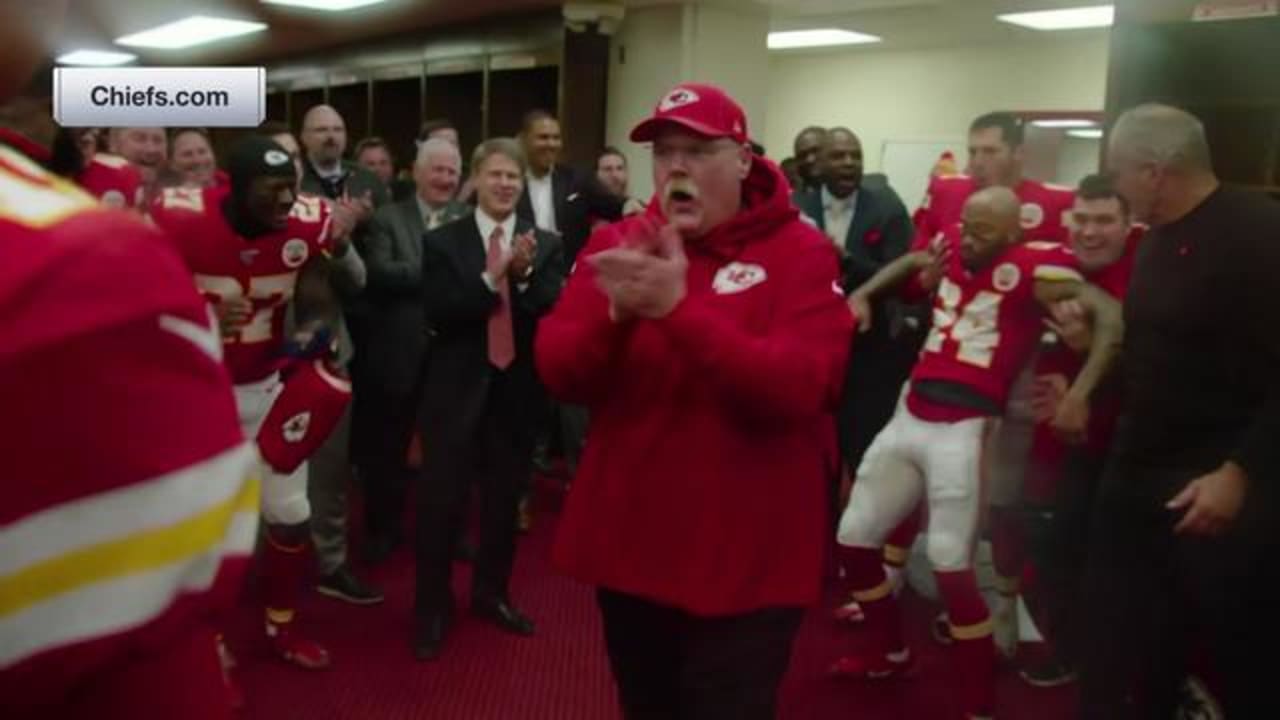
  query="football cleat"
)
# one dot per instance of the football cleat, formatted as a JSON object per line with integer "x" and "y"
{"x": 850, "y": 612}
{"x": 296, "y": 649}
{"x": 875, "y": 666}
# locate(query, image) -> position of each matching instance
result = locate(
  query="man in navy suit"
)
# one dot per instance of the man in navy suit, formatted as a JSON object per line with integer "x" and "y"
{"x": 871, "y": 227}
{"x": 487, "y": 279}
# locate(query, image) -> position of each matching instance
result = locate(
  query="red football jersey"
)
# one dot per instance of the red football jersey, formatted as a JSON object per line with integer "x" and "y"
{"x": 226, "y": 265}
{"x": 113, "y": 180}
{"x": 986, "y": 325}
{"x": 1046, "y": 209}
{"x": 1047, "y": 450}
{"x": 133, "y": 498}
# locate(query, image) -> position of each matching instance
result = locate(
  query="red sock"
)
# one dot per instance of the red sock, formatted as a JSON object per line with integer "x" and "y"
{"x": 872, "y": 590}
{"x": 1007, "y": 548}
{"x": 284, "y": 565}
{"x": 973, "y": 653}
{"x": 898, "y": 546}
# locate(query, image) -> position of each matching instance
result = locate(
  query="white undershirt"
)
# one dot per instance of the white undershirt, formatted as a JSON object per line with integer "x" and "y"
{"x": 544, "y": 206}
{"x": 838, "y": 215}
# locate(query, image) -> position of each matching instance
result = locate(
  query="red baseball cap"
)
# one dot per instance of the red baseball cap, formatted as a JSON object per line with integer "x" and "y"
{"x": 705, "y": 109}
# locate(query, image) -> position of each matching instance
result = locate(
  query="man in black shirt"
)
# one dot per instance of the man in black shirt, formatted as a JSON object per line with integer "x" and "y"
{"x": 1181, "y": 552}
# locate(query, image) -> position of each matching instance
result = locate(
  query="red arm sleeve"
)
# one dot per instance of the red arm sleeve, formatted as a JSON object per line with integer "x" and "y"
{"x": 577, "y": 343}
{"x": 795, "y": 371}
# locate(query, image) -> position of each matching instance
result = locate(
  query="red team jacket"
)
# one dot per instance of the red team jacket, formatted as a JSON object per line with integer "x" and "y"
{"x": 264, "y": 269}
{"x": 704, "y": 481}
{"x": 132, "y": 503}
{"x": 1045, "y": 209}
{"x": 986, "y": 325}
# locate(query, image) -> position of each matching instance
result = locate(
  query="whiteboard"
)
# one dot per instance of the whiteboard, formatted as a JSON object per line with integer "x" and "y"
{"x": 907, "y": 163}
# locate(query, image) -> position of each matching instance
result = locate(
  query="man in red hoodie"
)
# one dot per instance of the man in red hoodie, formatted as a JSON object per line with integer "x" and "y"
{"x": 708, "y": 339}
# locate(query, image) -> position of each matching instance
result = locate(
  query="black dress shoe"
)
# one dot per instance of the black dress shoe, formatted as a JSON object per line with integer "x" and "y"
{"x": 428, "y": 636}
{"x": 503, "y": 614}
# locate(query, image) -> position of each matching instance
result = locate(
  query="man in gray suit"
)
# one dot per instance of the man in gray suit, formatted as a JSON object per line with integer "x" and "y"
{"x": 395, "y": 338}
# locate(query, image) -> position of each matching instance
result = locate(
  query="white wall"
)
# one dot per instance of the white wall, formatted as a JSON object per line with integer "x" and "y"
{"x": 930, "y": 95}
{"x": 651, "y": 41}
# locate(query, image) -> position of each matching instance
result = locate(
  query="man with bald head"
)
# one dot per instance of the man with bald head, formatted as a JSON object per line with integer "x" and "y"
{"x": 395, "y": 344}
{"x": 805, "y": 150}
{"x": 1184, "y": 537}
{"x": 357, "y": 192}
{"x": 990, "y": 294}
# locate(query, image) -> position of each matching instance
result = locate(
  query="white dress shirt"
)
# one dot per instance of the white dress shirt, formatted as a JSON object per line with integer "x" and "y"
{"x": 433, "y": 218}
{"x": 486, "y": 225}
{"x": 838, "y": 215}
{"x": 543, "y": 202}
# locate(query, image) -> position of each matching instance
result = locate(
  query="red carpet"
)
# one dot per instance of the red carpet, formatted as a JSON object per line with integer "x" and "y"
{"x": 561, "y": 674}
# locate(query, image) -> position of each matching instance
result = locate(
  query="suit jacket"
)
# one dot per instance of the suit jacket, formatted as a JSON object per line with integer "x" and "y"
{"x": 879, "y": 234}
{"x": 395, "y": 334}
{"x": 458, "y": 303}
{"x": 578, "y": 200}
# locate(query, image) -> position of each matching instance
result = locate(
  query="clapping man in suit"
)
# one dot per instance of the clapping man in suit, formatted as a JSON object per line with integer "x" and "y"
{"x": 870, "y": 227}
{"x": 396, "y": 339}
{"x": 559, "y": 199}
{"x": 487, "y": 280}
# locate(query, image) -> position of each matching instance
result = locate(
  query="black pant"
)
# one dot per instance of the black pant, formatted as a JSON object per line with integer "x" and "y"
{"x": 671, "y": 665}
{"x": 1152, "y": 596}
{"x": 496, "y": 456}
{"x": 1056, "y": 539}
{"x": 388, "y": 420}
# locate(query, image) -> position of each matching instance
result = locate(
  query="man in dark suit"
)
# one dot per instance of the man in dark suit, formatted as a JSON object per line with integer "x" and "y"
{"x": 487, "y": 278}
{"x": 556, "y": 197}
{"x": 559, "y": 199}
{"x": 871, "y": 228}
{"x": 395, "y": 337}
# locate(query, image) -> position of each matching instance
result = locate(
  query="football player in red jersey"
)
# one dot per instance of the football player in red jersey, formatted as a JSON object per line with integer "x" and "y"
{"x": 252, "y": 249}
{"x": 1061, "y": 479}
{"x": 995, "y": 159}
{"x": 131, "y": 496}
{"x": 989, "y": 301}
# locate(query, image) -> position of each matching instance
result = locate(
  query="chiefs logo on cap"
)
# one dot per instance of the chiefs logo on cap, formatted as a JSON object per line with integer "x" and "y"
{"x": 678, "y": 98}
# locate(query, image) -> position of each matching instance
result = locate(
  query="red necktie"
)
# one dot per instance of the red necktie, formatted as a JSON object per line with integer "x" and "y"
{"x": 502, "y": 343}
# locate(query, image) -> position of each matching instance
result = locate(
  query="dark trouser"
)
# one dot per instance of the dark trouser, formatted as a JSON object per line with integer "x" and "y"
{"x": 328, "y": 478}
{"x": 573, "y": 435}
{"x": 1056, "y": 537}
{"x": 670, "y": 665}
{"x": 388, "y": 421}
{"x": 497, "y": 457}
{"x": 1151, "y": 596}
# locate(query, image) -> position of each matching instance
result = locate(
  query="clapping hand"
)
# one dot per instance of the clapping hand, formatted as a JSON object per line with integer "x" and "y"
{"x": 645, "y": 276}
{"x": 522, "y": 253}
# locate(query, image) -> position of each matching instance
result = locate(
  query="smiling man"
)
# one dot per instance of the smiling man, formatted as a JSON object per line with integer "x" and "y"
{"x": 487, "y": 279}
{"x": 252, "y": 249}
{"x": 395, "y": 345}
{"x": 708, "y": 339}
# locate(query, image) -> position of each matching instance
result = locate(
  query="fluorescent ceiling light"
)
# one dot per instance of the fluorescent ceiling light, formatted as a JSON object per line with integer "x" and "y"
{"x": 327, "y": 5}
{"x": 1064, "y": 123}
{"x": 189, "y": 32}
{"x": 95, "y": 57}
{"x": 817, "y": 38}
{"x": 1064, "y": 19}
{"x": 1091, "y": 134}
